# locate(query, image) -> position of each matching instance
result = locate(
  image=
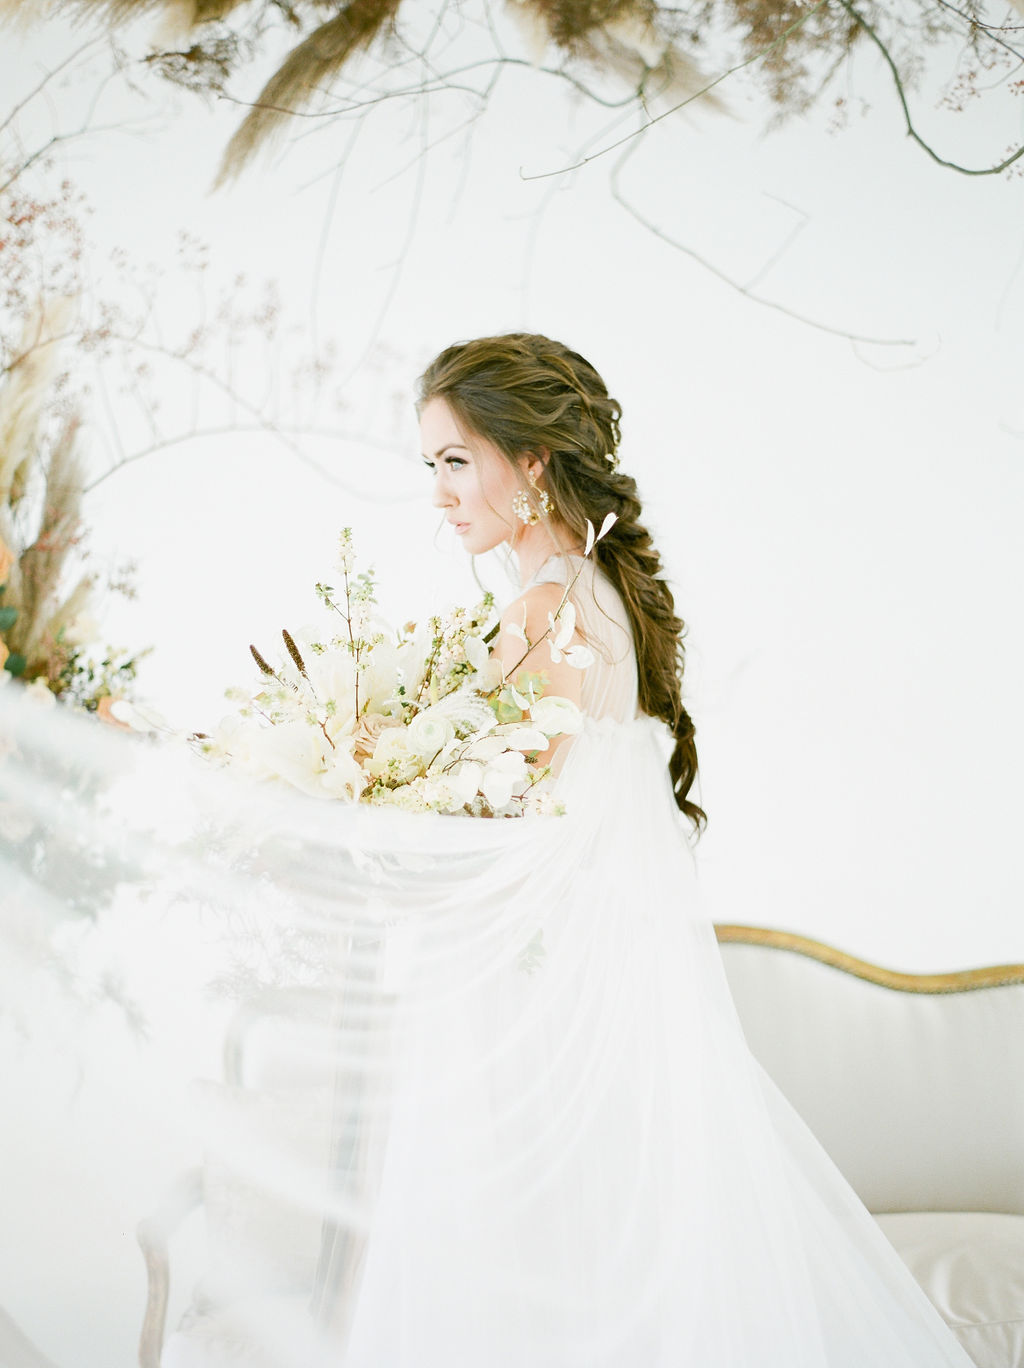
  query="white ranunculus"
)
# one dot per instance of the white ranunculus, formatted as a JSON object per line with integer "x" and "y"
{"x": 429, "y": 732}
{"x": 555, "y": 716}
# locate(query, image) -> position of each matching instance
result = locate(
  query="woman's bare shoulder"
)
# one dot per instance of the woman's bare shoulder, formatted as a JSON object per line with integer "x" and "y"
{"x": 535, "y": 602}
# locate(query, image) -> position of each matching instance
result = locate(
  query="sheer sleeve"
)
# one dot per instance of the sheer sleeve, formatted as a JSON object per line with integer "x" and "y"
{"x": 610, "y": 683}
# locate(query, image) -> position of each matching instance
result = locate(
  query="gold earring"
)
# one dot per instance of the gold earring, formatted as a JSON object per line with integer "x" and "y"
{"x": 524, "y": 509}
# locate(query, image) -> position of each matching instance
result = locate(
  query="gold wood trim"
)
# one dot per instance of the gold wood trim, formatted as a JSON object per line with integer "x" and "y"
{"x": 960, "y": 981}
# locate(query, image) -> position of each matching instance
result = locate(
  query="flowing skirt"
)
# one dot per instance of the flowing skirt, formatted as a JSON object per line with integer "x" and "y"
{"x": 521, "y": 1124}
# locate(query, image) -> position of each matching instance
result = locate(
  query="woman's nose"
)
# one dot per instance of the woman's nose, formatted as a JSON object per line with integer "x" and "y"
{"x": 441, "y": 496}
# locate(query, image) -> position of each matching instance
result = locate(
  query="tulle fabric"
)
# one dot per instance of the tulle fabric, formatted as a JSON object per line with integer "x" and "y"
{"x": 513, "y": 1119}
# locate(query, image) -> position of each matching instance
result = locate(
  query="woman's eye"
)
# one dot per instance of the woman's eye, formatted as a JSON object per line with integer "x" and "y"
{"x": 455, "y": 462}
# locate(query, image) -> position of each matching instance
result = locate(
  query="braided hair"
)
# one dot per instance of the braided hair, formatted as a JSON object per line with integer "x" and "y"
{"x": 523, "y": 392}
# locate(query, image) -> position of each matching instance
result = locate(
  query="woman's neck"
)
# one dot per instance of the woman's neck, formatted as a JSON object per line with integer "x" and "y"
{"x": 535, "y": 545}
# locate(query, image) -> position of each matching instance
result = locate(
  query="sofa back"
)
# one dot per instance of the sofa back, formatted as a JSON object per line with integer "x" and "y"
{"x": 914, "y": 1084}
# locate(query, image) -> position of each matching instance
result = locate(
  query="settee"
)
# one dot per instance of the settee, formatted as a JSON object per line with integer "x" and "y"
{"x": 914, "y": 1084}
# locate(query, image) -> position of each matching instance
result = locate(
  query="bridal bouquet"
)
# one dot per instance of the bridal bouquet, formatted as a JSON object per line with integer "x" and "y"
{"x": 423, "y": 719}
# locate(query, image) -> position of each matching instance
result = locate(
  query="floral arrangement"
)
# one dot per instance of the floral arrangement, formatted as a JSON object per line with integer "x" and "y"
{"x": 423, "y": 719}
{"x": 46, "y": 590}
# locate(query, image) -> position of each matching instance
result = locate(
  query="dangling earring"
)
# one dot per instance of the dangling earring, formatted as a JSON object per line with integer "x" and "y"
{"x": 523, "y": 508}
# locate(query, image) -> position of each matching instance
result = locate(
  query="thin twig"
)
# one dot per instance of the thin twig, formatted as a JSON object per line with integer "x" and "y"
{"x": 744, "y": 290}
{"x": 911, "y": 130}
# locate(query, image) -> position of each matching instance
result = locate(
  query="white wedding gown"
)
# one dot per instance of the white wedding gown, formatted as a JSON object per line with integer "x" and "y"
{"x": 550, "y": 1146}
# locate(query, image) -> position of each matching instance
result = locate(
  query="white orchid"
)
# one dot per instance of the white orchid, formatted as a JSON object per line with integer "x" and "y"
{"x": 556, "y": 716}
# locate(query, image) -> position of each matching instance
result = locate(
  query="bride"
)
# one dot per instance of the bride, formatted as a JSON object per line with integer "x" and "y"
{"x": 549, "y": 1146}
{"x": 585, "y": 1167}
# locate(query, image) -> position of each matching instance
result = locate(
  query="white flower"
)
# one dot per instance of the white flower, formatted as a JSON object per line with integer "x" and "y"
{"x": 464, "y": 780}
{"x": 485, "y": 748}
{"x": 497, "y": 788}
{"x": 428, "y": 733}
{"x": 526, "y": 739}
{"x": 555, "y": 716}
{"x": 476, "y": 652}
{"x": 344, "y": 778}
{"x": 393, "y": 758}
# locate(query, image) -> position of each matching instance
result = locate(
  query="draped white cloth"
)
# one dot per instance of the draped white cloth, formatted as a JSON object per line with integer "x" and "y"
{"x": 515, "y": 1115}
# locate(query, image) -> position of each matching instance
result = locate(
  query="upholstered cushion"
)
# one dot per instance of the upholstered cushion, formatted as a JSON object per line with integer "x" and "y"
{"x": 971, "y": 1264}
{"x": 917, "y": 1097}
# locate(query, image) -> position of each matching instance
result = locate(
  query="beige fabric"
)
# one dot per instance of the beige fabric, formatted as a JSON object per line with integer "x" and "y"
{"x": 917, "y": 1097}
{"x": 971, "y": 1264}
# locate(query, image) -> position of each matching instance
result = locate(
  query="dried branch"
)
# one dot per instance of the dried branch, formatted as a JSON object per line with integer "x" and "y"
{"x": 736, "y": 285}
{"x": 901, "y": 94}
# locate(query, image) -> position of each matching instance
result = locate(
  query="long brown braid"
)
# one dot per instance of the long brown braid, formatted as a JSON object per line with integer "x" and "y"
{"x": 523, "y": 392}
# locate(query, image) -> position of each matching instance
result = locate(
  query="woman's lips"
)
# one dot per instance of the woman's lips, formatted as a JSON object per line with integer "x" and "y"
{"x": 459, "y": 528}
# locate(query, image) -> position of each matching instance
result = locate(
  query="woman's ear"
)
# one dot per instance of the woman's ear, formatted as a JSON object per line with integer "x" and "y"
{"x": 532, "y": 463}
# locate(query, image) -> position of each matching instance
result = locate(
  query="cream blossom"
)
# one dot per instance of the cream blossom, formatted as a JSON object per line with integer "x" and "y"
{"x": 394, "y": 758}
{"x": 368, "y": 730}
{"x": 556, "y": 716}
{"x": 429, "y": 733}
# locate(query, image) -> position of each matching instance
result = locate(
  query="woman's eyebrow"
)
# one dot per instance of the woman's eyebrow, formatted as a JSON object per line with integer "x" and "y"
{"x": 449, "y": 446}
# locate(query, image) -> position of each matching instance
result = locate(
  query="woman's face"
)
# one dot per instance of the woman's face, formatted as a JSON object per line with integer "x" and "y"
{"x": 473, "y": 484}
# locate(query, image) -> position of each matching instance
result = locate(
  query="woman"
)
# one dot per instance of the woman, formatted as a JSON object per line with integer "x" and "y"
{"x": 584, "y": 1164}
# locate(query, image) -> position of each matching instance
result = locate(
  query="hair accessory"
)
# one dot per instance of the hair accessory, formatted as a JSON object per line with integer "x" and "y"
{"x": 524, "y": 509}
{"x": 612, "y": 457}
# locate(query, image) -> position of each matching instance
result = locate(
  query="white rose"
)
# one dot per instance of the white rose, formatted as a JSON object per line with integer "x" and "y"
{"x": 556, "y": 716}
